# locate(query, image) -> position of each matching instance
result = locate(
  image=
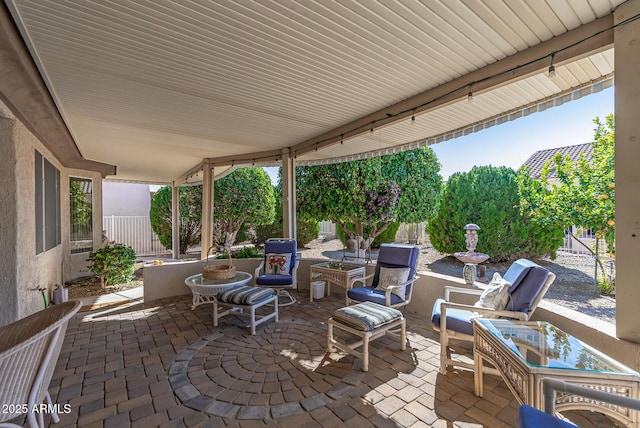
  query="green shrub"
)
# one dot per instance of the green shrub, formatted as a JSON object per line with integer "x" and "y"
{"x": 489, "y": 197}
{"x": 386, "y": 237}
{"x": 307, "y": 231}
{"x": 113, "y": 265}
{"x": 247, "y": 253}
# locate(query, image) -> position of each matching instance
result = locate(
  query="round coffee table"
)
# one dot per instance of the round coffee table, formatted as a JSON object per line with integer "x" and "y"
{"x": 205, "y": 290}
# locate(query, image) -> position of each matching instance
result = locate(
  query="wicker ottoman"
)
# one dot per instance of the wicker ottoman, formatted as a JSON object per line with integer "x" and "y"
{"x": 368, "y": 321}
{"x": 246, "y": 297}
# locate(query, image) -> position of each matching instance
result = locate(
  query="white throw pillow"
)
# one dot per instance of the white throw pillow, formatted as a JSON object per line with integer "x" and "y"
{"x": 278, "y": 264}
{"x": 393, "y": 276}
{"x": 495, "y": 296}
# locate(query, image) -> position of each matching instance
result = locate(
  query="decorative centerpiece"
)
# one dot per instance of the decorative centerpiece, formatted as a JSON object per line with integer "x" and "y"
{"x": 220, "y": 271}
{"x": 471, "y": 259}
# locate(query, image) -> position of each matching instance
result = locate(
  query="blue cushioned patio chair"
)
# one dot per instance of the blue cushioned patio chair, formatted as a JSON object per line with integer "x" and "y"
{"x": 394, "y": 262}
{"x": 529, "y": 282}
{"x": 529, "y": 417}
{"x": 279, "y": 268}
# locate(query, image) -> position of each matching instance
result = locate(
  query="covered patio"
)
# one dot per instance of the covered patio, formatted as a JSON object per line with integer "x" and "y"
{"x": 178, "y": 94}
{"x": 162, "y": 364}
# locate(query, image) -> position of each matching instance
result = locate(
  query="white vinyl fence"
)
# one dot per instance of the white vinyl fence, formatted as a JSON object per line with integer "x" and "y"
{"x": 134, "y": 231}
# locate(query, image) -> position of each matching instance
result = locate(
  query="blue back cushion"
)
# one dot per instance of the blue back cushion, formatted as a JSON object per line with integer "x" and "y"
{"x": 397, "y": 256}
{"x": 527, "y": 279}
{"x": 282, "y": 247}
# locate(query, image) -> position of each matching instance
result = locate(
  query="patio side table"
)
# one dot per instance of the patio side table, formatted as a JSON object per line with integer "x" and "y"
{"x": 337, "y": 273}
{"x": 525, "y": 352}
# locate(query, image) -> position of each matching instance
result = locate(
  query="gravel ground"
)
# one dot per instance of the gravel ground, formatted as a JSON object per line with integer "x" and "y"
{"x": 573, "y": 288}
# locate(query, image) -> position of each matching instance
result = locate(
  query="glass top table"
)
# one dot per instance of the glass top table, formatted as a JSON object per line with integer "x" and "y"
{"x": 526, "y": 352}
{"x": 205, "y": 290}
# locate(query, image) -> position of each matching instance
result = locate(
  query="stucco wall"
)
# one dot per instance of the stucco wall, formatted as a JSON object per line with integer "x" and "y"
{"x": 22, "y": 272}
{"x": 123, "y": 199}
{"x": 8, "y": 226}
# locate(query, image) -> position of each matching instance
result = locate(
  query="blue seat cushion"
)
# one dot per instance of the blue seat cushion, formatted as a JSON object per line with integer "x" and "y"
{"x": 457, "y": 319}
{"x": 528, "y": 417}
{"x": 273, "y": 279}
{"x": 245, "y": 295}
{"x": 366, "y": 316}
{"x": 370, "y": 294}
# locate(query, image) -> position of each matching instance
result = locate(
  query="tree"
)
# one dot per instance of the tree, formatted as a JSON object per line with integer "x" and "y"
{"x": 584, "y": 194}
{"x": 371, "y": 193}
{"x": 489, "y": 196}
{"x": 244, "y": 196}
{"x": 190, "y": 206}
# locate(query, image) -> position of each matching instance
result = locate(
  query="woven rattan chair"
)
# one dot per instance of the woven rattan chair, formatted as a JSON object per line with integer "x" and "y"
{"x": 29, "y": 349}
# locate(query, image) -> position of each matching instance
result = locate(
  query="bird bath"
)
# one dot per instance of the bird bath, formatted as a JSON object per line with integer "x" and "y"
{"x": 470, "y": 258}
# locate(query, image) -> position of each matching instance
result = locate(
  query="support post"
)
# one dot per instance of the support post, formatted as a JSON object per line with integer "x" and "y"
{"x": 288, "y": 195}
{"x": 207, "y": 209}
{"x": 175, "y": 221}
{"x": 627, "y": 105}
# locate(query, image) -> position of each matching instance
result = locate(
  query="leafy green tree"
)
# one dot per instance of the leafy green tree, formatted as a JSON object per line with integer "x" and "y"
{"x": 489, "y": 196}
{"x": 190, "y": 206}
{"x": 584, "y": 193}
{"x": 244, "y": 196}
{"x": 81, "y": 215}
{"x": 371, "y": 193}
{"x": 307, "y": 229}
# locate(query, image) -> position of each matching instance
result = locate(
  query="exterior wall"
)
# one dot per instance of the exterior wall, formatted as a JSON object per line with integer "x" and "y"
{"x": 123, "y": 199}
{"x": 8, "y": 225}
{"x": 22, "y": 272}
{"x": 31, "y": 271}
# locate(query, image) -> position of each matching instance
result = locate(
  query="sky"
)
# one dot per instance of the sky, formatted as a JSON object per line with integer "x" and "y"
{"x": 512, "y": 143}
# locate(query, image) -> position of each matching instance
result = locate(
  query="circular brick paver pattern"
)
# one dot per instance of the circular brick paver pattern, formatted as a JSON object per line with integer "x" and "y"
{"x": 281, "y": 371}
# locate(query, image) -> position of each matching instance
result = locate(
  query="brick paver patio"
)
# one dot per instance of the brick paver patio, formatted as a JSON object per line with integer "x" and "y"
{"x": 163, "y": 364}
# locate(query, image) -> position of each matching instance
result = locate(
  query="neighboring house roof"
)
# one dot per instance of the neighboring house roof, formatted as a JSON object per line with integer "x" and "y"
{"x": 538, "y": 159}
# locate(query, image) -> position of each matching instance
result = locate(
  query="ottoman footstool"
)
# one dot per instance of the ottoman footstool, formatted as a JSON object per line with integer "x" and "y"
{"x": 246, "y": 297}
{"x": 368, "y": 321}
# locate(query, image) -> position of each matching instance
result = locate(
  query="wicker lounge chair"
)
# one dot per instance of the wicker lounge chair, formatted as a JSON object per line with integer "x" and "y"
{"x": 29, "y": 349}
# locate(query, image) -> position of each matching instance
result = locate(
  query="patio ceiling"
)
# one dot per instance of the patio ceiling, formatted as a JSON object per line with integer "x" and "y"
{"x": 155, "y": 87}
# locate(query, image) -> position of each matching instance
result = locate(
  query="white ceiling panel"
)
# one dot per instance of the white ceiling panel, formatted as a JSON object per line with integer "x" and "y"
{"x": 155, "y": 87}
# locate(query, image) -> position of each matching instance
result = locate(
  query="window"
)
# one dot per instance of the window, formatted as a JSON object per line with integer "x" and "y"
{"x": 47, "y": 186}
{"x": 81, "y": 215}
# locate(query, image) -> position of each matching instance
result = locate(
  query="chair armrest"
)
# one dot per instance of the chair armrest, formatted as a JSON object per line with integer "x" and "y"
{"x": 521, "y": 316}
{"x": 257, "y": 272}
{"x": 363, "y": 280}
{"x": 459, "y": 290}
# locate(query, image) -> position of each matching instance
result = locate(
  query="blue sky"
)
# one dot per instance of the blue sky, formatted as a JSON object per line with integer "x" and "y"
{"x": 512, "y": 143}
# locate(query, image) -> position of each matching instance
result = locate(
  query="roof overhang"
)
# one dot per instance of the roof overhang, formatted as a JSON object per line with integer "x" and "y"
{"x": 161, "y": 90}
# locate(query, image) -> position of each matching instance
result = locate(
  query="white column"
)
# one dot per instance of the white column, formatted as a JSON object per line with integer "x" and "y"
{"x": 175, "y": 221}
{"x": 288, "y": 195}
{"x": 627, "y": 106}
{"x": 207, "y": 208}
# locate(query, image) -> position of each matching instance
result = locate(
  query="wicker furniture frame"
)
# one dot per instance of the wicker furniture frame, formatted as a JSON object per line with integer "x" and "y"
{"x": 365, "y": 337}
{"x": 336, "y": 273}
{"x": 525, "y": 380}
{"x": 205, "y": 290}
{"x": 29, "y": 350}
